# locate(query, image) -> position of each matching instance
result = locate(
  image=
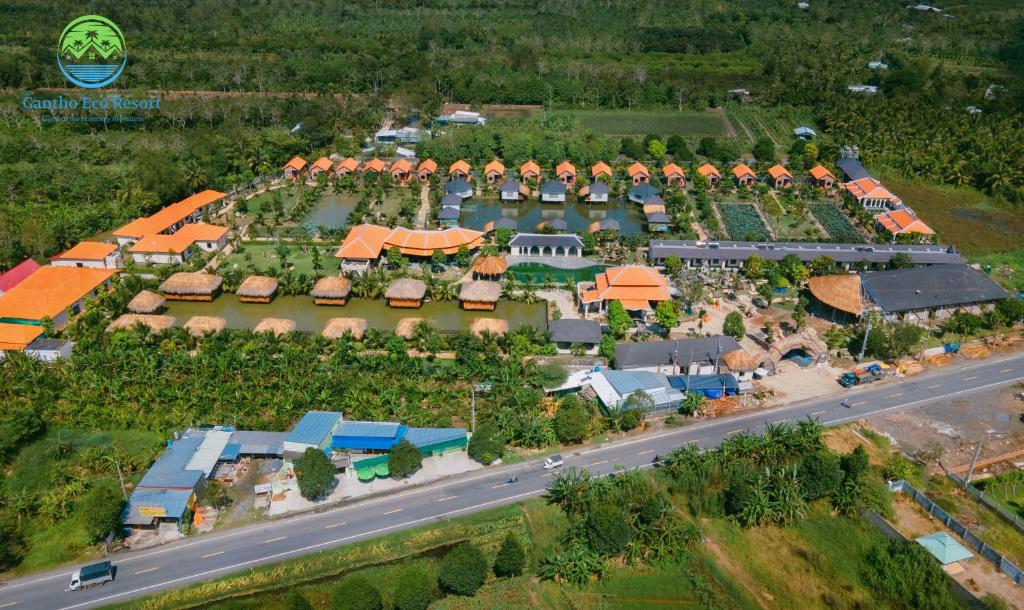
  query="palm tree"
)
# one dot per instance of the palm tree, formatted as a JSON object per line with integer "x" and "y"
{"x": 569, "y": 491}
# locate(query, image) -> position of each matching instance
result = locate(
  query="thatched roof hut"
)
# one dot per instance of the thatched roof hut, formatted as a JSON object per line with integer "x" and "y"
{"x": 495, "y": 326}
{"x": 146, "y": 302}
{"x": 406, "y": 292}
{"x": 191, "y": 286}
{"x": 842, "y": 292}
{"x": 331, "y": 290}
{"x": 480, "y": 294}
{"x": 153, "y": 323}
{"x": 257, "y": 289}
{"x": 406, "y": 326}
{"x": 277, "y": 326}
{"x": 197, "y": 326}
{"x": 739, "y": 361}
{"x": 337, "y": 327}
{"x": 490, "y": 266}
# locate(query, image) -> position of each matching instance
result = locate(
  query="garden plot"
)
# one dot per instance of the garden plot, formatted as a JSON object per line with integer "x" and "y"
{"x": 742, "y": 222}
{"x": 837, "y": 225}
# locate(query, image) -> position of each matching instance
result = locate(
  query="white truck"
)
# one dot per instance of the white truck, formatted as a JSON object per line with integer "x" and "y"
{"x": 92, "y": 575}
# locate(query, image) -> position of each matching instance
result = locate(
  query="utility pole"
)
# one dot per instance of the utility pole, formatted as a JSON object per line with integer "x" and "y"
{"x": 864, "y": 345}
{"x": 481, "y": 387}
{"x": 974, "y": 461}
{"x": 120, "y": 477}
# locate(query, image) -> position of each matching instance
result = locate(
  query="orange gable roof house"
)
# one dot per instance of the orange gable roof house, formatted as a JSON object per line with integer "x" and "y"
{"x": 51, "y": 292}
{"x": 638, "y": 173}
{"x": 529, "y": 171}
{"x": 744, "y": 175}
{"x": 321, "y": 165}
{"x": 426, "y": 169}
{"x": 401, "y": 170}
{"x": 711, "y": 173}
{"x": 871, "y": 195}
{"x": 293, "y": 169}
{"x": 365, "y": 243}
{"x": 781, "y": 178}
{"x": 494, "y": 171}
{"x": 171, "y": 218}
{"x": 346, "y": 166}
{"x": 173, "y": 249}
{"x": 459, "y": 169}
{"x": 600, "y": 169}
{"x": 566, "y": 173}
{"x": 635, "y": 286}
{"x": 93, "y": 254}
{"x": 674, "y": 175}
{"x": 822, "y": 177}
{"x": 903, "y": 221}
{"x": 374, "y": 165}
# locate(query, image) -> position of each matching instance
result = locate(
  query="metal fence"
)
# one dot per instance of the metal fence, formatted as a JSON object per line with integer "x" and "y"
{"x": 979, "y": 495}
{"x": 997, "y": 559}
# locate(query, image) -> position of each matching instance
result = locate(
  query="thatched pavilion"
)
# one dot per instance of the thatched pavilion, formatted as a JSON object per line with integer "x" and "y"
{"x": 146, "y": 302}
{"x": 406, "y": 292}
{"x": 153, "y": 323}
{"x": 491, "y": 267}
{"x": 191, "y": 286}
{"x": 480, "y": 294}
{"x": 277, "y": 326}
{"x": 406, "y": 326}
{"x": 841, "y": 294}
{"x": 337, "y": 327}
{"x": 331, "y": 290}
{"x": 197, "y": 326}
{"x": 495, "y": 326}
{"x": 257, "y": 289}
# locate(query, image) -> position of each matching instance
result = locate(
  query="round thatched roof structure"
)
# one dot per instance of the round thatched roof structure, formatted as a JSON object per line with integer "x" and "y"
{"x": 490, "y": 265}
{"x": 129, "y": 320}
{"x": 185, "y": 283}
{"x": 198, "y": 326}
{"x": 739, "y": 361}
{"x": 406, "y": 289}
{"x": 337, "y": 327}
{"x": 331, "y": 287}
{"x": 406, "y": 326}
{"x": 277, "y": 326}
{"x": 495, "y": 326}
{"x": 480, "y": 291}
{"x": 146, "y": 302}
{"x": 257, "y": 286}
{"x": 843, "y": 292}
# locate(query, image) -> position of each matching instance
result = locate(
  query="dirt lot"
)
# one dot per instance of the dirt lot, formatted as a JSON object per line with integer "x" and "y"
{"x": 949, "y": 429}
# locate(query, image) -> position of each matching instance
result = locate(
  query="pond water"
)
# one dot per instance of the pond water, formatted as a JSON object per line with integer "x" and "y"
{"x": 541, "y": 273}
{"x": 332, "y": 211}
{"x": 477, "y": 213}
{"x": 446, "y": 315}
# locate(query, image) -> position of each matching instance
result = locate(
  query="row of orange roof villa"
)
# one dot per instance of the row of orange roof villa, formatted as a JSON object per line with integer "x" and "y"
{"x": 167, "y": 236}
{"x": 402, "y": 170}
{"x": 365, "y": 243}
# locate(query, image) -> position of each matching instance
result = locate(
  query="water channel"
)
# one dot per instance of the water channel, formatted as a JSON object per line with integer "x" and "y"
{"x": 527, "y": 214}
{"x": 446, "y": 315}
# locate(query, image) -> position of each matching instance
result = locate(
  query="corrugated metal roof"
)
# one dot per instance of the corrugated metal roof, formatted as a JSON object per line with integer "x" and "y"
{"x": 703, "y": 382}
{"x": 627, "y": 382}
{"x": 206, "y": 455}
{"x": 258, "y": 442}
{"x": 172, "y": 501}
{"x": 425, "y": 437}
{"x": 169, "y": 469}
{"x": 230, "y": 453}
{"x": 313, "y": 428}
{"x": 683, "y": 351}
{"x": 930, "y": 287}
{"x": 659, "y": 249}
{"x": 370, "y": 429}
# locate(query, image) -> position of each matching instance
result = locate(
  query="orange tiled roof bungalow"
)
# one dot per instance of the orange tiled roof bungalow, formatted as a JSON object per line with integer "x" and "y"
{"x": 53, "y": 292}
{"x": 367, "y": 242}
{"x": 375, "y": 165}
{"x": 870, "y": 194}
{"x": 459, "y": 169}
{"x": 17, "y": 337}
{"x": 710, "y": 172}
{"x": 600, "y": 169}
{"x": 293, "y": 169}
{"x": 674, "y": 175}
{"x": 903, "y": 222}
{"x": 494, "y": 171}
{"x": 94, "y": 254}
{"x": 529, "y": 171}
{"x": 781, "y": 178}
{"x": 822, "y": 177}
{"x": 426, "y": 169}
{"x": 566, "y": 173}
{"x": 401, "y": 170}
{"x": 635, "y": 286}
{"x": 346, "y": 166}
{"x": 639, "y": 173}
{"x": 171, "y": 218}
{"x": 173, "y": 249}
{"x": 744, "y": 175}
{"x": 323, "y": 164}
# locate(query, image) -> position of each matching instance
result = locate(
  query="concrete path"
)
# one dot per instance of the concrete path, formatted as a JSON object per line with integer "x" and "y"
{"x": 424, "y": 212}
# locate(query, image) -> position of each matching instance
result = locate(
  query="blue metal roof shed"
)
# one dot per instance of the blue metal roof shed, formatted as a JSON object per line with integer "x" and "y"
{"x": 433, "y": 440}
{"x": 171, "y": 502}
{"x": 313, "y": 430}
{"x": 169, "y": 469}
{"x": 712, "y": 386}
{"x": 368, "y": 436}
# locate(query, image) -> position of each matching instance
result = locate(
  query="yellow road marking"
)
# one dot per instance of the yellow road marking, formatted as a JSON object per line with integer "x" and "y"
{"x": 147, "y": 570}
{"x": 448, "y": 498}
{"x": 858, "y": 403}
{"x": 327, "y": 527}
{"x": 274, "y": 539}
{"x": 598, "y": 463}
{"x": 819, "y": 412}
{"x": 212, "y": 555}
{"x": 391, "y": 512}
{"x": 1005, "y": 370}
{"x": 897, "y": 394}
{"x": 932, "y": 387}
{"x": 970, "y": 378}
{"x": 8, "y": 605}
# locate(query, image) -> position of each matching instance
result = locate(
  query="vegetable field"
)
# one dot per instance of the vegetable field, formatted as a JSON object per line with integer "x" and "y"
{"x": 837, "y": 225}
{"x": 742, "y": 222}
{"x": 660, "y": 122}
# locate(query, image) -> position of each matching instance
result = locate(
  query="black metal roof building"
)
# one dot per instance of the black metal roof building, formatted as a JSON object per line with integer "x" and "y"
{"x": 568, "y": 332}
{"x": 852, "y": 169}
{"x": 654, "y": 355}
{"x": 733, "y": 254}
{"x": 930, "y": 293}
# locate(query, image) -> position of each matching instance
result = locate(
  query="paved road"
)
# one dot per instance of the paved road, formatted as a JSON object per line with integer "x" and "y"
{"x": 209, "y": 556}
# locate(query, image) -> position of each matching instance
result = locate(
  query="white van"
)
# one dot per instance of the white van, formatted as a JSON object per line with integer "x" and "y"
{"x": 554, "y": 461}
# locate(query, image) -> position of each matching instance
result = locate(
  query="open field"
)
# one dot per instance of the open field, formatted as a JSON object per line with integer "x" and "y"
{"x": 658, "y": 122}
{"x": 964, "y": 217}
{"x": 1006, "y": 268}
{"x": 752, "y": 122}
{"x": 835, "y": 223}
{"x": 264, "y": 254}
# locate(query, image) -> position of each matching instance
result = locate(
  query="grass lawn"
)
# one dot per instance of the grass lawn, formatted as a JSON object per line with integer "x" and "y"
{"x": 642, "y": 122}
{"x": 264, "y": 254}
{"x": 1006, "y": 268}
{"x": 964, "y": 217}
{"x": 793, "y": 227}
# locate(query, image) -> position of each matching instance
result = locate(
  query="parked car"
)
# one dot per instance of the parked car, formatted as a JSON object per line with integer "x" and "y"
{"x": 760, "y": 303}
{"x": 553, "y": 461}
